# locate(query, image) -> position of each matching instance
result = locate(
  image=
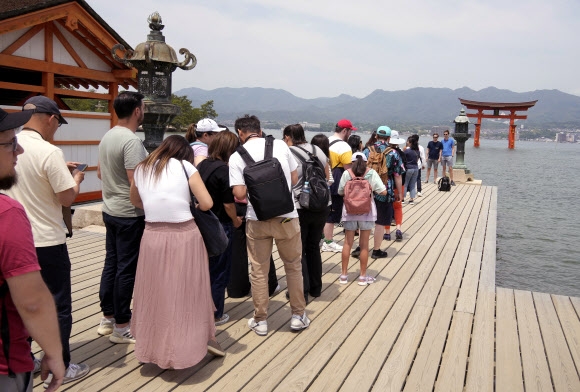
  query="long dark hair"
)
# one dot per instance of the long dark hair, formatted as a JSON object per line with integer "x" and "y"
{"x": 174, "y": 146}
{"x": 372, "y": 140}
{"x": 296, "y": 133}
{"x": 359, "y": 167}
{"x": 413, "y": 143}
{"x": 321, "y": 141}
{"x": 354, "y": 142}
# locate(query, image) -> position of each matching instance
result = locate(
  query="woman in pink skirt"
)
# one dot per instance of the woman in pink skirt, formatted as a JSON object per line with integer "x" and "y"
{"x": 173, "y": 311}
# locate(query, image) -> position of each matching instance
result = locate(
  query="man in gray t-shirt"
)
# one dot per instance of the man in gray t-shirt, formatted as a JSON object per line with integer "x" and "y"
{"x": 120, "y": 151}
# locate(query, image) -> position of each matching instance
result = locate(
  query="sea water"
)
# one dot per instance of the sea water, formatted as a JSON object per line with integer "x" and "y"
{"x": 538, "y": 217}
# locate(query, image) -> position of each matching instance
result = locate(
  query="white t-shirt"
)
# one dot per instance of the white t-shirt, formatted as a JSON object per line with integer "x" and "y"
{"x": 42, "y": 173}
{"x": 255, "y": 147}
{"x": 167, "y": 199}
{"x": 421, "y": 162}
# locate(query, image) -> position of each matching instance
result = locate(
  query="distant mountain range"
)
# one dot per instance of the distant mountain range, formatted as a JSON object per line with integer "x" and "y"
{"x": 414, "y": 107}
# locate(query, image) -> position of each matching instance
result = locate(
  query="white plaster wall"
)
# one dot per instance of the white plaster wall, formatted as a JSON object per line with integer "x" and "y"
{"x": 90, "y": 59}
{"x": 34, "y": 48}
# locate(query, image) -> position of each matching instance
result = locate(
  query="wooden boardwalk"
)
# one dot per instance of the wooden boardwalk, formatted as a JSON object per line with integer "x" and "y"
{"x": 434, "y": 320}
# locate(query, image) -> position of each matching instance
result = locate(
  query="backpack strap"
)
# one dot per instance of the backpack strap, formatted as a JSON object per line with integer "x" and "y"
{"x": 335, "y": 141}
{"x": 5, "y": 328}
{"x": 297, "y": 154}
{"x": 352, "y": 176}
{"x": 269, "y": 148}
{"x": 245, "y": 155}
{"x": 311, "y": 155}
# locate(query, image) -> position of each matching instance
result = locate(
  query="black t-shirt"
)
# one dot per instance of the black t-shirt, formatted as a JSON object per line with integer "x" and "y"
{"x": 218, "y": 186}
{"x": 434, "y": 149}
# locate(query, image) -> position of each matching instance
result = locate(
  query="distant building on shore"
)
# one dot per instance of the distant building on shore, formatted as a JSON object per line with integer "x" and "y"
{"x": 560, "y": 137}
{"x": 309, "y": 125}
{"x": 572, "y": 137}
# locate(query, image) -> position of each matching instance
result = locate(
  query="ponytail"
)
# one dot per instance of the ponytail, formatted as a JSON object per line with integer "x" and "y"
{"x": 359, "y": 167}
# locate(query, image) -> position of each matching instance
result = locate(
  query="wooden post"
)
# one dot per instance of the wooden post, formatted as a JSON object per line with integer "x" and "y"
{"x": 48, "y": 77}
{"x": 477, "y": 128}
{"x": 512, "y": 131}
{"x": 113, "y": 92}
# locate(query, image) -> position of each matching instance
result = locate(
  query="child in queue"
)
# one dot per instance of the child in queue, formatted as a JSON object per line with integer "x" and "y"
{"x": 364, "y": 222}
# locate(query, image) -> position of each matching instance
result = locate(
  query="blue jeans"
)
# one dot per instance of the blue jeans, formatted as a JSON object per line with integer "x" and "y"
{"x": 55, "y": 272}
{"x": 411, "y": 181}
{"x": 219, "y": 272}
{"x": 118, "y": 276}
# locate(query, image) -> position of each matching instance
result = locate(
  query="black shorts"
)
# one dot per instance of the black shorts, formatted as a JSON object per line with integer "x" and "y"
{"x": 335, "y": 215}
{"x": 384, "y": 212}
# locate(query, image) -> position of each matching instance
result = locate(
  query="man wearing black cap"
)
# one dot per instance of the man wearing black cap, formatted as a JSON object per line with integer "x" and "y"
{"x": 26, "y": 304}
{"x": 46, "y": 184}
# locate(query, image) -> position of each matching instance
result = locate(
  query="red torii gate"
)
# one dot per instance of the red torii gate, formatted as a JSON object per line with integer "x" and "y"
{"x": 512, "y": 107}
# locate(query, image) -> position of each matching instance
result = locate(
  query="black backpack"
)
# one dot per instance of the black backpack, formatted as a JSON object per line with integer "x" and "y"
{"x": 266, "y": 183}
{"x": 444, "y": 184}
{"x": 313, "y": 172}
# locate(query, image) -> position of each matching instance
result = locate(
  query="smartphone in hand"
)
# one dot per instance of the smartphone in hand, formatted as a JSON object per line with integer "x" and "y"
{"x": 82, "y": 167}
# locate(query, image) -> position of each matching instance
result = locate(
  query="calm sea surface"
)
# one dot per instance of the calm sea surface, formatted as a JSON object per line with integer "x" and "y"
{"x": 538, "y": 232}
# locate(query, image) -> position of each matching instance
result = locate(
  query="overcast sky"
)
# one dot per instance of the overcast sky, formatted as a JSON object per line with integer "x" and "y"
{"x": 323, "y": 48}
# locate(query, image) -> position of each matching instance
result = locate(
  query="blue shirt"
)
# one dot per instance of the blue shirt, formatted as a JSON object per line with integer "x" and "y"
{"x": 448, "y": 147}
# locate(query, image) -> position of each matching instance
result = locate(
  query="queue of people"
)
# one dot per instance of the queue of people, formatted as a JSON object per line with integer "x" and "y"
{"x": 155, "y": 254}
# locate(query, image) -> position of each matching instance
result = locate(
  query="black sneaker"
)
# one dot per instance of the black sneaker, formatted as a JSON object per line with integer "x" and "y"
{"x": 356, "y": 252}
{"x": 378, "y": 254}
{"x": 398, "y": 235}
{"x": 452, "y": 183}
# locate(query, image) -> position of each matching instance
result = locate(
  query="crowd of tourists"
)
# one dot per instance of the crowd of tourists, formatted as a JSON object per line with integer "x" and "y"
{"x": 259, "y": 190}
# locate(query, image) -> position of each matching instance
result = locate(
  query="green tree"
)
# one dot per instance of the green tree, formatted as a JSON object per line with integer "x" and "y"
{"x": 189, "y": 114}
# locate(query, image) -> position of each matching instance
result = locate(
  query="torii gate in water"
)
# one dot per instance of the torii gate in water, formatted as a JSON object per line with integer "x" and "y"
{"x": 496, "y": 107}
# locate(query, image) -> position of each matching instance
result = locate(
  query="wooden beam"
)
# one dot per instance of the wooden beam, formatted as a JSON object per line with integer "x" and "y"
{"x": 125, "y": 73}
{"x": 506, "y": 116}
{"x": 62, "y": 69}
{"x": 81, "y": 94}
{"x": 34, "y": 18}
{"x": 76, "y": 142}
{"x": 89, "y": 36}
{"x": 68, "y": 47}
{"x": 23, "y": 39}
{"x": 89, "y": 196}
{"x": 22, "y": 87}
{"x": 98, "y": 116}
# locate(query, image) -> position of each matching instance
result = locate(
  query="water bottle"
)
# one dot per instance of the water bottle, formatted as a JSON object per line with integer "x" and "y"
{"x": 305, "y": 195}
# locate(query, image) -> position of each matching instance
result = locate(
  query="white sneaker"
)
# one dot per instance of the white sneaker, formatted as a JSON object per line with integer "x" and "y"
{"x": 331, "y": 247}
{"x": 260, "y": 327}
{"x": 122, "y": 336}
{"x": 222, "y": 320}
{"x": 419, "y": 194}
{"x": 106, "y": 326}
{"x": 298, "y": 323}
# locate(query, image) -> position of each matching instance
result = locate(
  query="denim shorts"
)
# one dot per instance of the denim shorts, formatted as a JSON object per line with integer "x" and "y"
{"x": 354, "y": 225}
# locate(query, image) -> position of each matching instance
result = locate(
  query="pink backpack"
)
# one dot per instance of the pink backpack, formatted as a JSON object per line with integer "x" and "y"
{"x": 358, "y": 195}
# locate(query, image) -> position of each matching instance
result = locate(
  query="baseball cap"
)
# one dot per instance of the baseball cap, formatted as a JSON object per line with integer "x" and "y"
{"x": 358, "y": 154}
{"x": 383, "y": 131}
{"x": 41, "y": 104}
{"x": 208, "y": 125}
{"x": 395, "y": 138}
{"x": 344, "y": 123}
{"x": 13, "y": 120}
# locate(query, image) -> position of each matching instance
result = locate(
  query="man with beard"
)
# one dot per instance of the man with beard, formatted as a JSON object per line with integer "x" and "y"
{"x": 26, "y": 304}
{"x": 120, "y": 151}
{"x": 46, "y": 184}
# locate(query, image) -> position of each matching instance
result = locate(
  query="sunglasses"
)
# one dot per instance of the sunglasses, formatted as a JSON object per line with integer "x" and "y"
{"x": 13, "y": 143}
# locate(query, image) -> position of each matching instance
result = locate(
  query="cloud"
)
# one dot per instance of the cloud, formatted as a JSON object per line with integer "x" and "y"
{"x": 325, "y": 48}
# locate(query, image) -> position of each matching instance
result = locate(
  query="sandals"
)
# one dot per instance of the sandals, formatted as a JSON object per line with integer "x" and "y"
{"x": 365, "y": 280}
{"x": 343, "y": 279}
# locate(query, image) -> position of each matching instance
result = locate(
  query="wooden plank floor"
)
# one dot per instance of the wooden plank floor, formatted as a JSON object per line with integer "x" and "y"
{"x": 433, "y": 320}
